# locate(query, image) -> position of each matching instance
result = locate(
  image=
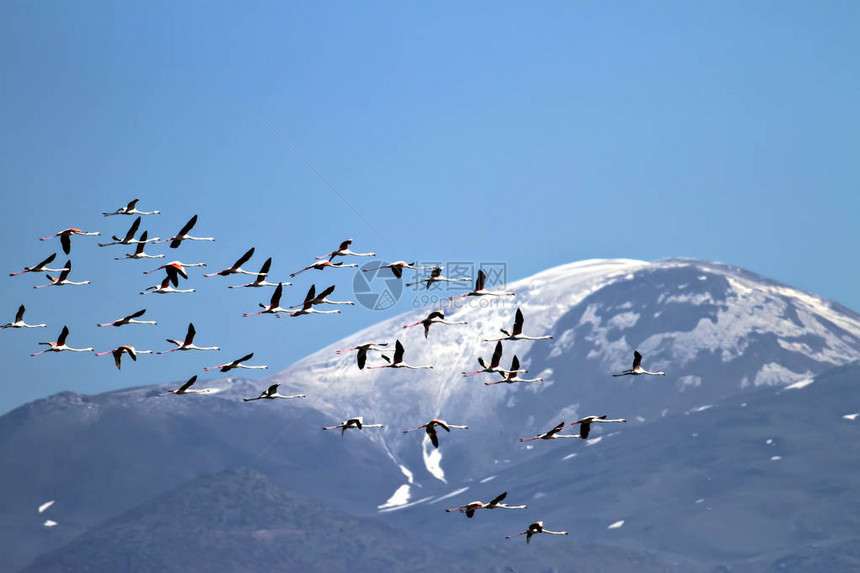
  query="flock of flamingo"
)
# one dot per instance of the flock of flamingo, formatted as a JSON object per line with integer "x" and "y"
{"x": 176, "y": 270}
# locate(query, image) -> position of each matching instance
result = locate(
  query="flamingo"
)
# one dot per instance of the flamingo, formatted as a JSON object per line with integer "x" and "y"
{"x": 188, "y": 343}
{"x": 130, "y": 319}
{"x": 552, "y": 434}
{"x": 310, "y": 298}
{"x": 174, "y": 268}
{"x": 637, "y": 368}
{"x": 271, "y": 393}
{"x": 321, "y": 299}
{"x": 236, "y": 364}
{"x": 511, "y": 377}
{"x": 183, "y": 235}
{"x": 534, "y": 529}
{"x": 62, "y": 280}
{"x": 494, "y": 364}
{"x": 129, "y": 237}
{"x": 237, "y": 266}
{"x": 479, "y": 288}
{"x": 398, "y": 266}
{"x": 185, "y": 388}
{"x": 517, "y": 332}
{"x": 138, "y": 251}
{"x": 343, "y": 251}
{"x": 430, "y": 429}
{"x": 65, "y": 237}
{"x": 60, "y": 344}
{"x": 320, "y": 265}
{"x": 470, "y": 508}
{"x": 19, "y": 321}
{"x": 274, "y": 304}
{"x": 165, "y": 288}
{"x": 585, "y": 424}
{"x": 260, "y": 281}
{"x": 131, "y": 209}
{"x": 362, "y": 351}
{"x": 39, "y": 268}
{"x": 357, "y": 423}
{"x": 436, "y": 277}
{"x": 437, "y": 316}
{"x": 397, "y": 362}
{"x": 118, "y": 352}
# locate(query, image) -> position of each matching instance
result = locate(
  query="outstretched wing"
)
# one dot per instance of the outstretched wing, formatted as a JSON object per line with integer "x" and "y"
{"x": 479, "y": 283}
{"x": 66, "y": 242}
{"x": 362, "y": 358}
{"x": 345, "y": 245}
{"x": 188, "y": 384}
{"x": 244, "y": 358}
{"x": 66, "y": 270}
{"x": 637, "y": 359}
{"x": 137, "y": 314}
{"x": 276, "y": 296}
{"x": 189, "y": 336}
{"x": 325, "y": 293}
{"x": 555, "y": 430}
{"x": 398, "y": 271}
{"x": 515, "y": 364}
{"x": 264, "y": 270}
{"x": 19, "y": 316}
{"x": 47, "y": 261}
{"x": 497, "y": 355}
{"x": 311, "y": 293}
{"x": 498, "y": 499}
{"x": 63, "y": 335}
{"x": 584, "y": 428}
{"x": 518, "y": 323}
{"x": 244, "y": 258}
{"x": 132, "y": 230}
{"x": 434, "y": 437}
{"x": 273, "y": 389}
{"x": 398, "y": 351}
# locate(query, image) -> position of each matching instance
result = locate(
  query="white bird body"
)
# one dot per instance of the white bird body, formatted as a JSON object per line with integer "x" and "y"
{"x": 517, "y": 332}
{"x": 534, "y": 529}
{"x": 129, "y": 237}
{"x": 493, "y": 366}
{"x": 120, "y": 350}
{"x": 343, "y": 251}
{"x": 552, "y": 434}
{"x": 397, "y": 361}
{"x": 19, "y": 321}
{"x": 435, "y": 317}
{"x": 260, "y": 281}
{"x": 480, "y": 290}
{"x": 352, "y": 423}
{"x": 321, "y": 298}
{"x": 637, "y": 369}
{"x": 430, "y": 429}
{"x": 274, "y": 306}
{"x": 271, "y": 393}
{"x": 40, "y": 267}
{"x": 237, "y": 266}
{"x": 63, "y": 279}
{"x": 236, "y": 364}
{"x": 363, "y": 349}
{"x": 131, "y": 209}
{"x": 165, "y": 288}
{"x": 512, "y": 375}
{"x": 65, "y": 237}
{"x": 130, "y": 319}
{"x": 398, "y": 266}
{"x": 470, "y": 508}
{"x": 60, "y": 345}
{"x": 188, "y": 343}
{"x": 138, "y": 251}
{"x": 320, "y": 265}
{"x": 186, "y": 388}
{"x": 436, "y": 277}
{"x": 183, "y": 235}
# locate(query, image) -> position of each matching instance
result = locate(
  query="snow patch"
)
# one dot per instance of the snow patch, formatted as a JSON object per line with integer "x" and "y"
{"x": 851, "y": 417}
{"x": 49, "y": 523}
{"x": 400, "y": 497}
{"x": 594, "y": 441}
{"x": 775, "y": 458}
{"x": 700, "y": 409}
{"x": 486, "y": 479}
{"x": 616, "y": 525}
{"x": 433, "y": 460}
{"x": 772, "y": 374}
{"x": 689, "y": 380}
{"x": 46, "y": 505}
{"x": 802, "y": 384}
{"x": 568, "y": 456}
{"x": 450, "y": 494}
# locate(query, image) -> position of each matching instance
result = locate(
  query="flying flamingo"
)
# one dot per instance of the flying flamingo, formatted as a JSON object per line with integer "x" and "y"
{"x": 517, "y": 332}
{"x": 552, "y": 434}
{"x": 479, "y": 288}
{"x": 65, "y": 237}
{"x": 118, "y": 352}
{"x": 637, "y": 368}
{"x": 274, "y": 304}
{"x": 131, "y": 209}
{"x": 188, "y": 343}
{"x": 260, "y": 281}
{"x": 585, "y": 423}
{"x": 174, "y": 268}
{"x": 129, "y": 237}
{"x": 130, "y": 319}
{"x": 271, "y": 393}
{"x": 185, "y": 388}
{"x": 430, "y": 429}
{"x": 307, "y": 305}
{"x": 237, "y": 266}
{"x": 362, "y": 351}
{"x": 357, "y": 423}
{"x": 534, "y": 529}
{"x": 343, "y": 251}
{"x": 512, "y": 376}
{"x": 397, "y": 362}
{"x": 165, "y": 288}
{"x": 236, "y": 364}
{"x": 435, "y": 317}
{"x": 39, "y": 268}
{"x": 321, "y": 299}
{"x": 436, "y": 277}
{"x": 398, "y": 266}
{"x": 470, "y": 508}
{"x": 320, "y": 265}
{"x": 60, "y": 345}
{"x": 183, "y": 235}
{"x": 63, "y": 278}
{"x": 19, "y": 321}
{"x": 138, "y": 251}
{"x": 494, "y": 364}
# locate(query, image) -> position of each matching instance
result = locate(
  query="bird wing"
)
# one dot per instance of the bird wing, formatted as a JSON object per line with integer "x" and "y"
{"x": 244, "y": 258}
{"x": 276, "y": 296}
{"x": 311, "y": 293}
{"x": 19, "y": 316}
{"x": 497, "y": 355}
{"x": 264, "y": 270}
{"x": 479, "y": 282}
{"x": 518, "y": 323}
{"x": 63, "y": 334}
{"x": 345, "y": 245}
{"x": 498, "y": 499}
{"x": 173, "y": 274}
{"x": 117, "y": 358}
{"x": 637, "y": 359}
{"x": 166, "y": 282}
{"x": 66, "y": 243}
{"x": 188, "y": 384}
{"x": 188, "y": 226}
{"x": 189, "y": 336}
{"x": 434, "y": 437}
{"x": 398, "y": 351}
{"x": 273, "y": 389}
{"x": 132, "y": 230}
{"x": 131, "y": 352}
{"x": 362, "y": 358}
{"x": 244, "y": 358}
{"x": 398, "y": 271}
{"x": 470, "y": 512}
{"x": 555, "y": 430}
{"x": 515, "y": 364}
{"x": 137, "y": 314}
{"x": 131, "y": 204}
{"x": 325, "y": 293}
{"x": 48, "y": 260}
{"x": 584, "y": 428}
{"x": 436, "y": 273}
{"x": 64, "y": 274}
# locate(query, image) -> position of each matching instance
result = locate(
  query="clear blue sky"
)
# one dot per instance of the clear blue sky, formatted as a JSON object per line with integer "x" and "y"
{"x": 726, "y": 131}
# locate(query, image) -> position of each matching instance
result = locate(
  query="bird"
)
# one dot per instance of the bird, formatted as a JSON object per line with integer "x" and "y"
{"x": 321, "y": 299}
{"x": 19, "y": 321}
{"x": 183, "y": 235}
{"x": 260, "y": 281}
{"x": 517, "y": 332}
{"x": 165, "y": 288}
{"x": 65, "y": 237}
{"x": 585, "y": 423}
{"x": 62, "y": 280}
{"x": 131, "y": 209}
{"x": 343, "y": 251}
{"x": 307, "y": 305}
{"x": 237, "y": 266}
{"x": 435, "y": 277}
{"x": 363, "y": 349}
{"x": 60, "y": 345}
{"x": 274, "y": 304}
{"x": 320, "y": 265}
{"x": 534, "y": 529}
{"x": 511, "y": 377}
{"x": 397, "y": 361}
{"x": 118, "y": 352}
{"x": 430, "y": 429}
{"x": 637, "y": 368}
{"x": 398, "y": 266}
{"x": 130, "y": 319}
{"x": 437, "y": 316}
{"x": 493, "y": 366}
{"x": 39, "y": 268}
{"x": 236, "y": 364}
{"x": 271, "y": 393}
{"x": 357, "y": 423}
{"x": 552, "y": 434}
{"x": 174, "y": 268}
{"x": 470, "y": 508}
{"x": 185, "y": 388}
{"x": 129, "y": 237}
{"x": 138, "y": 251}
{"x": 479, "y": 288}
{"x": 188, "y": 343}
